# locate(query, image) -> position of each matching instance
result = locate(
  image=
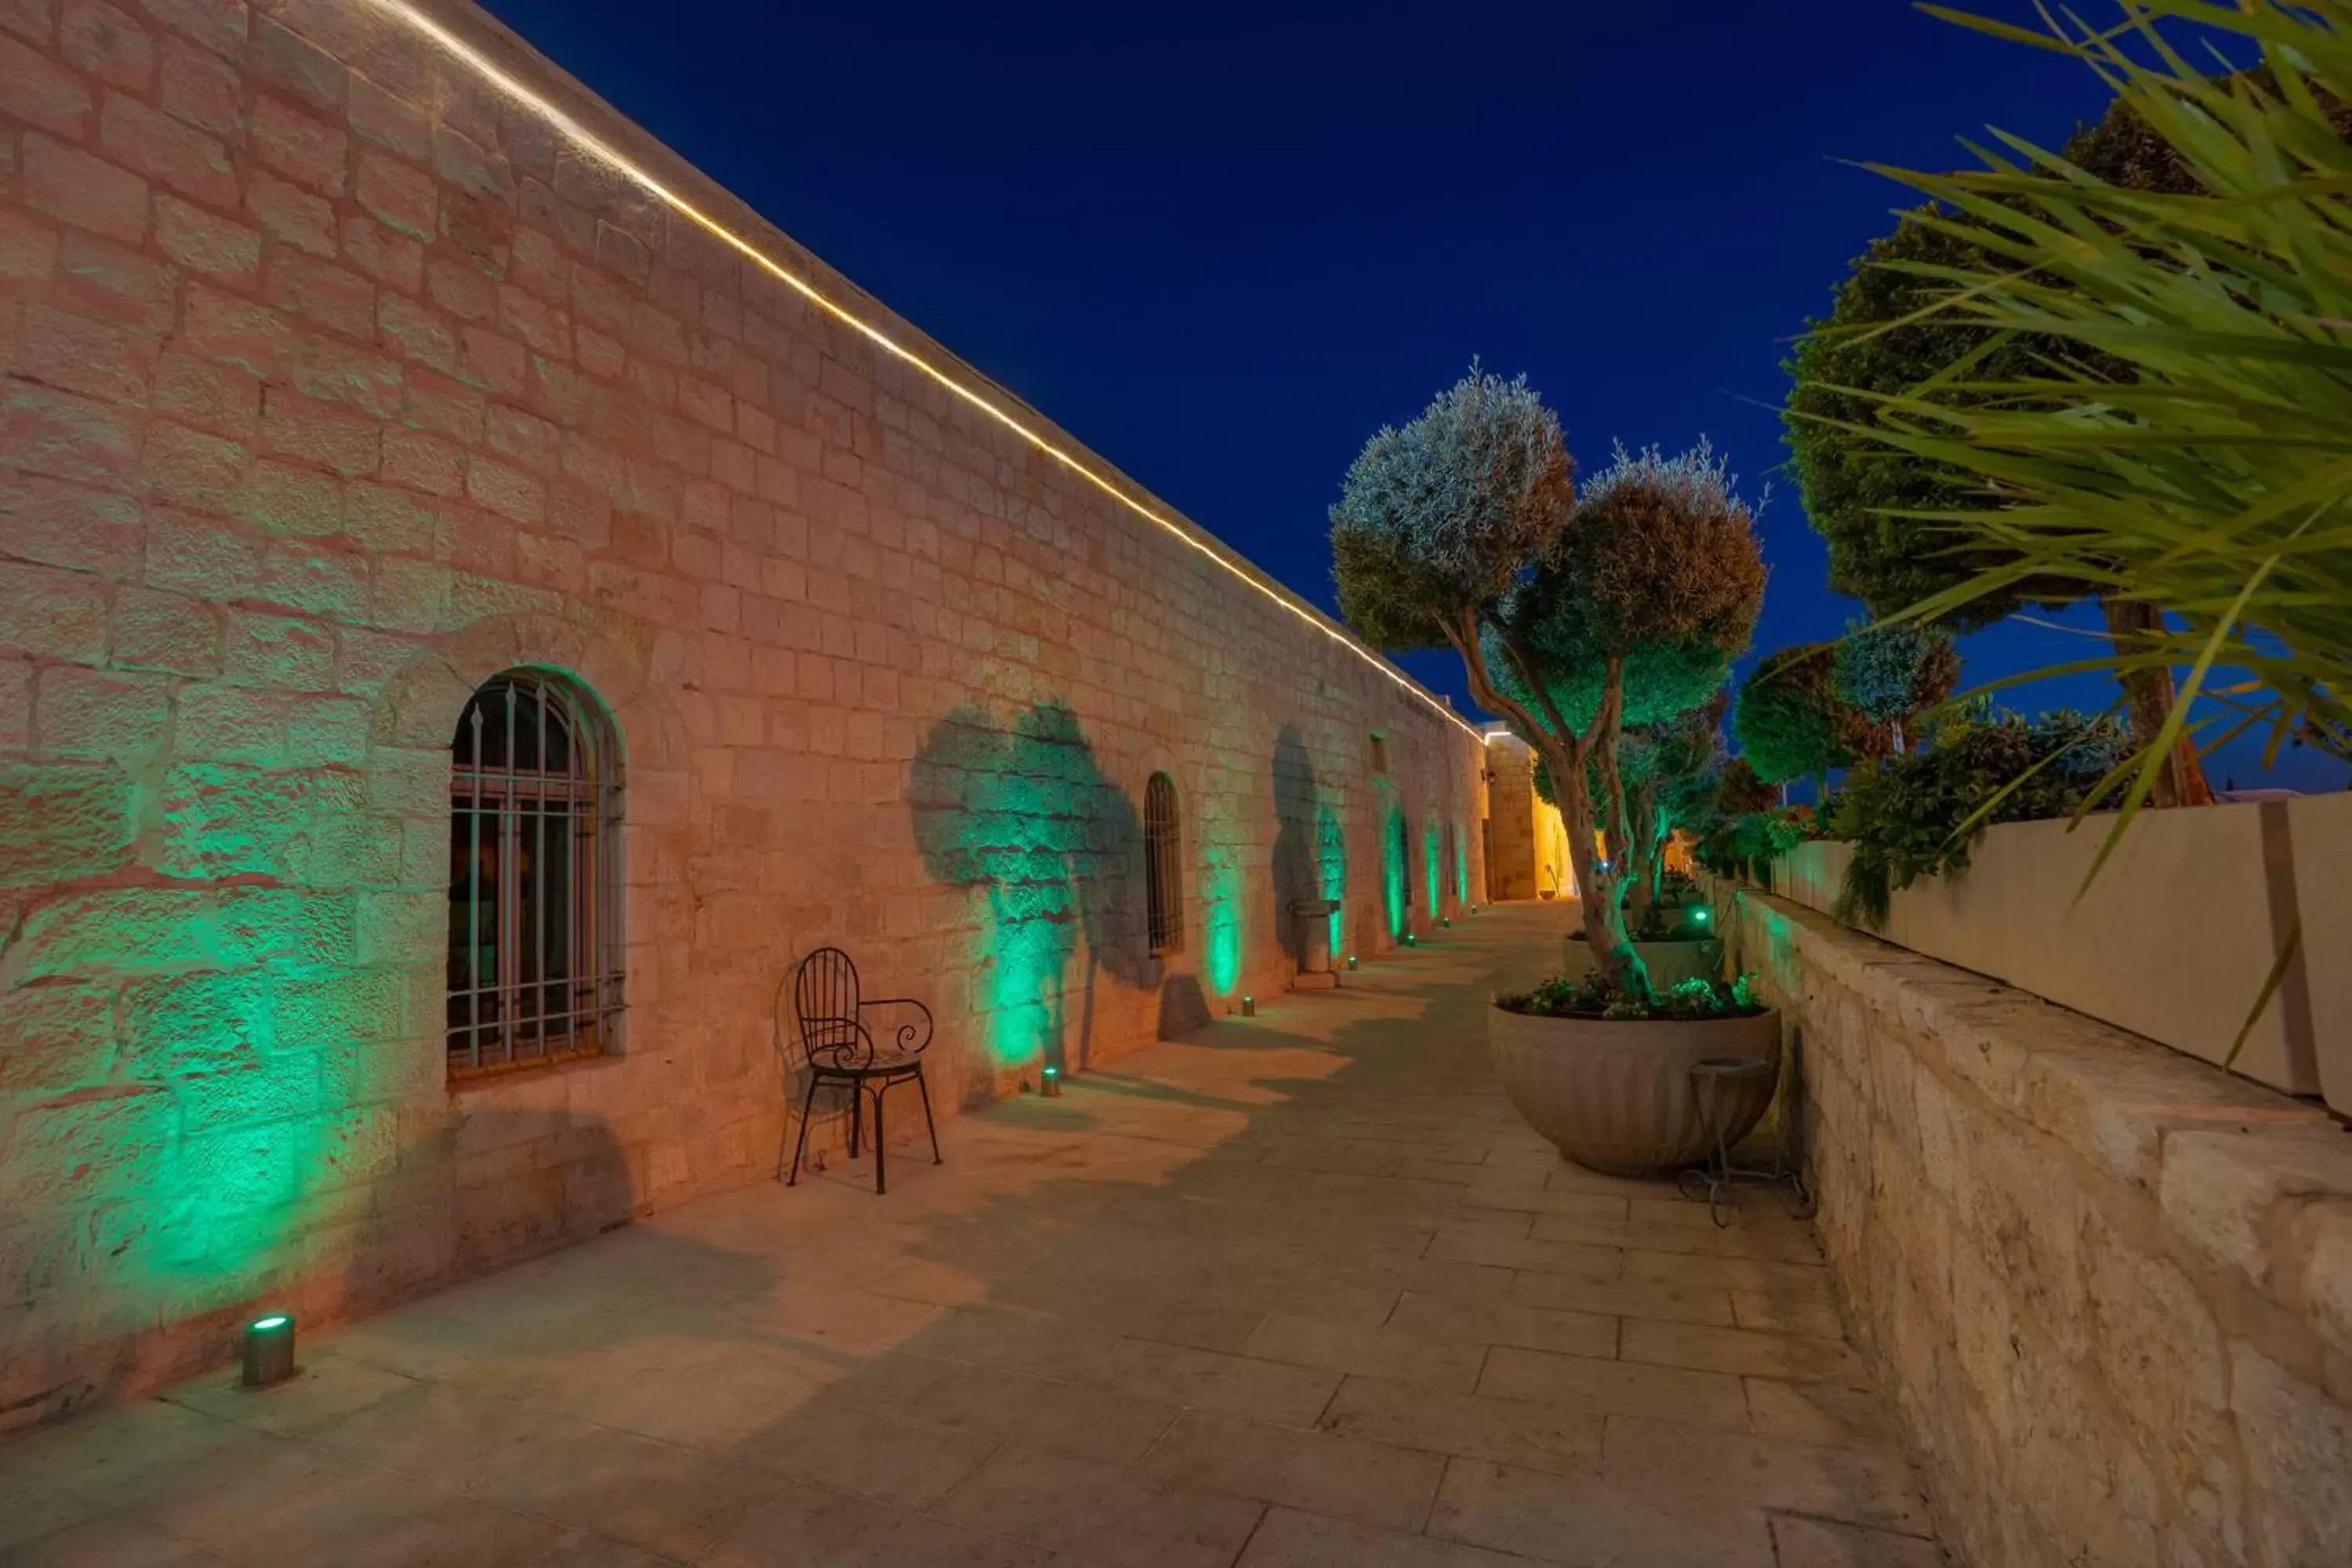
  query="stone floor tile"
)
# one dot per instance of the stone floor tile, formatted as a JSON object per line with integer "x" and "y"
{"x": 1402, "y": 1354}
{"x": 1079, "y": 1420}
{"x": 1594, "y": 1523}
{"x": 318, "y": 1503}
{"x": 1503, "y": 1323}
{"x": 807, "y": 1527}
{"x": 460, "y": 1532}
{"x": 108, "y": 1543}
{"x": 671, "y": 1500}
{"x": 1595, "y": 1387}
{"x": 873, "y": 1454}
{"x": 1237, "y": 1385}
{"x": 1566, "y": 1204}
{"x": 1815, "y": 1543}
{"x": 1744, "y": 1352}
{"x": 327, "y": 1389}
{"x": 456, "y": 1429}
{"x": 1624, "y": 1298}
{"x": 1875, "y": 1488}
{"x": 1658, "y": 1229}
{"x": 1097, "y": 1513}
{"x": 1321, "y": 1472}
{"x": 854, "y": 1322}
{"x": 28, "y": 1510}
{"x": 1821, "y": 1413}
{"x": 1472, "y": 1426}
{"x": 1707, "y": 1271}
{"x": 1790, "y": 1312}
{"x": 1579, "y": 1260}
{"x": 1289, "y": 1539}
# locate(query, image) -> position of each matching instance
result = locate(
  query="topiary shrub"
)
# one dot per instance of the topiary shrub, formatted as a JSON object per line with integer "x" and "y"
{"x": 1791, "y": 723}
{"x": 1892, "y": 673}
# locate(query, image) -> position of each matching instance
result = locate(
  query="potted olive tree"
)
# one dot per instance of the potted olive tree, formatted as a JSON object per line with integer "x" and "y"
{"x": 1573, "y": 616}
{"x": 1670, "y": 772}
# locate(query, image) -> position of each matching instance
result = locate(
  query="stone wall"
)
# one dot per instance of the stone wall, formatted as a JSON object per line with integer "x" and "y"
{"x": 1529, "y": 842}
{"x": 338, "y": 380}
{"x": 2110, "y": 1286}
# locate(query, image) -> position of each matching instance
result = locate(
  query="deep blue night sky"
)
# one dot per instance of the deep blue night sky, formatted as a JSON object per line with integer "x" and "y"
{"x": 1221, "y": 246}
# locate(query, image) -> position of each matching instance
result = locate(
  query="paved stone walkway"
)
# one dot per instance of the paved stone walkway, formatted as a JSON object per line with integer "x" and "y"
{"x": 1297, "y": 1290}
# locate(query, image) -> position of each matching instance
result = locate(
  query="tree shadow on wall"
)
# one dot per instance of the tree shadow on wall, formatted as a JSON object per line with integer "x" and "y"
{"x": 1310, "y": 846}
{"x": 1023, "y": 816}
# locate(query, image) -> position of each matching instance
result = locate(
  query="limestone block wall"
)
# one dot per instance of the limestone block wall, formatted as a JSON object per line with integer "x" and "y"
{"x": 2110, "y": 1286}
{"x": 1530, "y": 842}
{"x": 338, "y": 378}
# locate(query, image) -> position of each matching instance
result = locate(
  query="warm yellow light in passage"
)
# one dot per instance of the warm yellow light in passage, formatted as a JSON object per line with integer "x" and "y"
{"x": 614, "y": 159}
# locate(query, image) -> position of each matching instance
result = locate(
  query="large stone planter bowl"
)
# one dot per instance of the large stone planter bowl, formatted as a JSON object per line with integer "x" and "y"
{"x": 1618, "y": 1096}
{"x": 1669, "y": 962}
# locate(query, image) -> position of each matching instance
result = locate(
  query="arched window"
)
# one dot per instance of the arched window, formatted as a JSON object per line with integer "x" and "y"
{"x": 1163, "y": 864}
{"x": 535, "y": 954}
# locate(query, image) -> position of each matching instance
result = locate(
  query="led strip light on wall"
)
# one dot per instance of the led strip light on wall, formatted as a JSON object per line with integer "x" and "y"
{"x": 588, "y": 143}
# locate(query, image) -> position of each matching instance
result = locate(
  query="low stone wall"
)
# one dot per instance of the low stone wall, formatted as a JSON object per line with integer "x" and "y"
{"x": 2110, "y": 1287}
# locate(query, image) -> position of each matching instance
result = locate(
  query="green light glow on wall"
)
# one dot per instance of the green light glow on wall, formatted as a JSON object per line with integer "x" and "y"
{"x": 1394, "y": 851}
{"x": 1331, "y": 854}
{"x": 1221, "y": 925}
{"x": 1023, "y": 816}
{"x": 1432, "y": 864}
{"x": 1462, "y": 868}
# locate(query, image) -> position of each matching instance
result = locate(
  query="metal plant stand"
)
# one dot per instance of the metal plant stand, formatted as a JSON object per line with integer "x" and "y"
{"x": 1715, "y": 1182}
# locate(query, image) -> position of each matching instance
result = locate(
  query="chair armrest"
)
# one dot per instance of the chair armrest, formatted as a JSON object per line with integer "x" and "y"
{"x": 913, "y": 1037}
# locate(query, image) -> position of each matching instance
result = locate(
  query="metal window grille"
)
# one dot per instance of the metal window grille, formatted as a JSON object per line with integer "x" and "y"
{"x": 535, "y": 952}
{"x": 1163, "y": 864}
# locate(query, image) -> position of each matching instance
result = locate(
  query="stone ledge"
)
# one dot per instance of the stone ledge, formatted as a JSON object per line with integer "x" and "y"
{"x": 2254, "y": 1183}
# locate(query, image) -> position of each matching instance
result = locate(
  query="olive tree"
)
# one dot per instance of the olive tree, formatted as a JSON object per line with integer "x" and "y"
{"x": 1573, "y": 615}
{"x": 1672, "y": 772}
{"x": 1892, "y": 672}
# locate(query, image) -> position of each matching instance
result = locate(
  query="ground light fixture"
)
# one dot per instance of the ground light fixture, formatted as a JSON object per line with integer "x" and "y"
{"x": 1699, "y": 915}
{"x": 268, "y": 1350}
{"x": 1410, "y": 940}
{"x": 1352, "y": 961}
{"x": 1049, "y": 1082}
{"x": 1249, "y": 1007}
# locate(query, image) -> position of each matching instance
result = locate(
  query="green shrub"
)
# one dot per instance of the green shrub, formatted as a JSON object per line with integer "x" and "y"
{"x": 1596, "y": 995}
{"x": 1917, "y": 816}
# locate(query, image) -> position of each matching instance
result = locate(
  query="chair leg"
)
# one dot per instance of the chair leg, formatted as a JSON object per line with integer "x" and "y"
{"x": 807, "y": 1100}
{"x": 924, "y": 1090}
{"x": 880, "y": 1175}
{"x": 857, "y": 1113}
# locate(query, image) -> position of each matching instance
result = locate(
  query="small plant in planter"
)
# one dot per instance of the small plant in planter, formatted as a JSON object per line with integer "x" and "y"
{"x": 1592, "y": 996}
{"x": 1574, "y": 616}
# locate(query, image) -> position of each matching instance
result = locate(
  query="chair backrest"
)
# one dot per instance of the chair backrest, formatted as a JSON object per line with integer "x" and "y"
{"x": 825, "y": 1001}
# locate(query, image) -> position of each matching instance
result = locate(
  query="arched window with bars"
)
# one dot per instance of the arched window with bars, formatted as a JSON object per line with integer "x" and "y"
{"x": 535, "y": 949}
{"x": 1163, "y": 864}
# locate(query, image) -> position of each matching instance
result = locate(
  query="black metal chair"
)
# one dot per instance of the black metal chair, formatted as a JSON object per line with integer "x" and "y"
{"x": 838, "y": 1048}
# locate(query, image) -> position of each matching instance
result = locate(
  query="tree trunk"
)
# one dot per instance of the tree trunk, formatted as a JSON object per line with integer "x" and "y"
{"x": 2149, "y": 697}
{"x": 1597, "y": 892}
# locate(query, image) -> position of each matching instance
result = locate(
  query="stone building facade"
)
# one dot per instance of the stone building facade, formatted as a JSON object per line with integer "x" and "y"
{"x": 354, "y": 358}
{"x": 1526, "y": 844}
